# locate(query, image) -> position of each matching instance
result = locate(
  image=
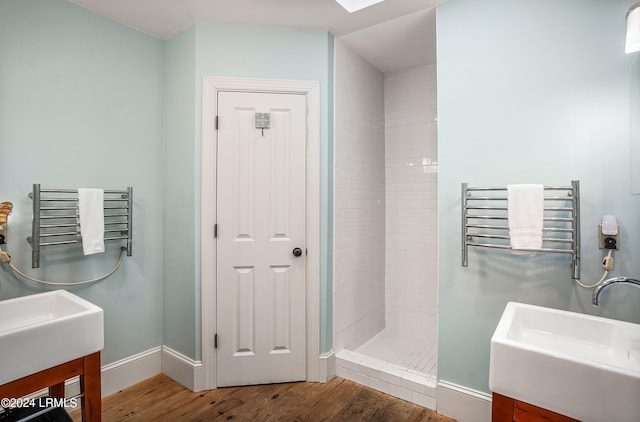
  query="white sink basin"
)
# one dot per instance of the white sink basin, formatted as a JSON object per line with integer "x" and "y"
{"x": 582, "y": 366}
{"x": 44, "y": 330}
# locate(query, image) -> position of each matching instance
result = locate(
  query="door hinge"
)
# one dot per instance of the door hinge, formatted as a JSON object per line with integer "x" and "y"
{"x": 216, "y": 122}
{"x": 215, "y": 230}
{"x": 215, "y": 341}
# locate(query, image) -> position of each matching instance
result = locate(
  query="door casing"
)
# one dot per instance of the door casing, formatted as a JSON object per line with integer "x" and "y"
{"x": 311, "y": 90}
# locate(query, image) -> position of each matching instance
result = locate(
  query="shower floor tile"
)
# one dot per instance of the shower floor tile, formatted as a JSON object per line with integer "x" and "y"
{"x": 402, "y": 350}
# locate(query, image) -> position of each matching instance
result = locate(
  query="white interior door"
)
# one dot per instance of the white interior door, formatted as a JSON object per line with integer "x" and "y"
{"x": 261, "y": 221}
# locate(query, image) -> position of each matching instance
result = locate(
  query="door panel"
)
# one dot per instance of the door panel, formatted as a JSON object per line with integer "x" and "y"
{"x": 261, "y": 219}
{"x": 244, "y": 319}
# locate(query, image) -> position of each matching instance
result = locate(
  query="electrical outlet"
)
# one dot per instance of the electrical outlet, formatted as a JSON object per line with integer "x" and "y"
{"x": 608, "y": 241}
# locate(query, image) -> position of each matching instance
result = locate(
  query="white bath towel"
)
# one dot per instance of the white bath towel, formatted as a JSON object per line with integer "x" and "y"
{"x": 525, "y": 208}
{"x": 91, "y": 213}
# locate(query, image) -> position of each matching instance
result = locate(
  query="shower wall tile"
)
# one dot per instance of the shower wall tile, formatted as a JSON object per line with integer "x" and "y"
{"x": 411, "y": 177}
{"x": 359, "y": 200}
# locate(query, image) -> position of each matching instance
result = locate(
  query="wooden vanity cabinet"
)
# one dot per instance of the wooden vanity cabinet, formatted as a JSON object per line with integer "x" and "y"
{"x": 87, "y": 367}
{"x": 507, "y": 409}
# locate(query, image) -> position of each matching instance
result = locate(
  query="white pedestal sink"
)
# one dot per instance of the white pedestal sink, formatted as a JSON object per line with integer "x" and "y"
{"x": 46, "y": 329}
{"x": 578, "y": 365}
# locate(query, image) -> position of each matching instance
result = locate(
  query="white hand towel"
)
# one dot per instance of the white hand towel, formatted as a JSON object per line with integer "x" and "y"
{"x": 525, "y": 207}
{"x": 91, "y": 213}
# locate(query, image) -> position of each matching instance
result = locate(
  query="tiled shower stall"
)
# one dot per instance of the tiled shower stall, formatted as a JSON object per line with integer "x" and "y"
{"x": 385, "y": 221}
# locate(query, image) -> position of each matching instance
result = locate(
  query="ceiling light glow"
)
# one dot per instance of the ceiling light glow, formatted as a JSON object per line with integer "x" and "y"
{"x": 355, "y": 5}
{"x": 633, "y": 29}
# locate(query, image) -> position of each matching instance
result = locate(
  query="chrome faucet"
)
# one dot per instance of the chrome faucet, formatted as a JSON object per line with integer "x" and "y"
{"x": 596, "y": 293}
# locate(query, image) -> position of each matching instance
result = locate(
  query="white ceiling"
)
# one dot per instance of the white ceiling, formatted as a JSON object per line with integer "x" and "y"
{"x": 391, "y": 35}
{"x": 397, "y": 44}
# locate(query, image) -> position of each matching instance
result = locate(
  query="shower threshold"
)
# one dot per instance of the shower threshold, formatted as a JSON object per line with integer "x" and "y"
{"x": 393, "y": 364}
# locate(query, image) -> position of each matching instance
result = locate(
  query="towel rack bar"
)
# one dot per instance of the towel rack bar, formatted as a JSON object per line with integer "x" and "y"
{"x": 489, "y": 236}
{"x": 504, "y": 237}
{"x": 69, "y": 242}
{"x": 58, "y": 226}
{"x": 54, "y": 217}
{"x": 487, "y": 226}
{"x": 59, "y": 234}
{"x": 75, "y": 208}
{"x": 558, "y": 229}
{"x": 504, "y": 188}
{"x": 57, "y": 208}
{"x": 116, "y": 215}
{"x": 62, "y": 242}
{"x": 60, "y": 216}
{"x": 544, "y": 229}
{"x": 77, "y": 233}
{"x": 486, "y": 198}
{"x": 116, "y": 238}
{"x": 550, "y": 250}
{"x": 557, "y": 240}
{"x": 504, "y": 198}
{"x": 564, "y": 220}
{"x": 75, "y": 191}
{"x": 480, "y": 207}
{"x": 497, "y": 217}
{"x": 61, "y": 205}
{"x": 469, "y": 207}
{"x": 76, "y": 200}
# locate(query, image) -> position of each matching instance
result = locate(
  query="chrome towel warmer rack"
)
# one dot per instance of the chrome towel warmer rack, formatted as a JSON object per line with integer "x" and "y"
{"x": 484, "y": 221}
{"x": 55, "y": 218}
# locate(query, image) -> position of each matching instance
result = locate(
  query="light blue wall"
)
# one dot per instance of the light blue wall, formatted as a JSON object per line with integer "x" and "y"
{"x": 530, "y": 92}
{"x": 238, "y": 51}
{"x": 181, "y": 299}
{"x": 85, "y": 101}
{"x": 81, "y": 106}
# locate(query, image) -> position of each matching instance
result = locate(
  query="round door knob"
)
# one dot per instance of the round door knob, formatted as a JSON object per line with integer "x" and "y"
{"x": 297, "y": 251}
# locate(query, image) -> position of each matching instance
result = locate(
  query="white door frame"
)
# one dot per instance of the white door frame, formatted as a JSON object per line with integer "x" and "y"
{"x": 311, "y": 89}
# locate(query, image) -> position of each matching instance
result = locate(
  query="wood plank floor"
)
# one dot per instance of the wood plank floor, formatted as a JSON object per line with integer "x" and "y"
{"x": 162, "y": 399}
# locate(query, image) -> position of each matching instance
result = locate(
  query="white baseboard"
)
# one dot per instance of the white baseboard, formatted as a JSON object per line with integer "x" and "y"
{"x": 327, "y": 367}
{"x": 183, "y": 369}
{"x": 118, "y": 375}
{"x": 454, "y": 401}
{"x": 129, "y": 371}
{"x": 191, "y": 374}
{"x": 126, "y": 372}
{"x": 462, "y": 403}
